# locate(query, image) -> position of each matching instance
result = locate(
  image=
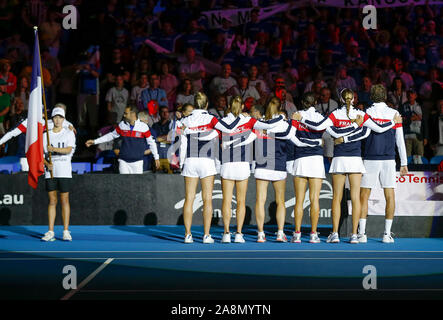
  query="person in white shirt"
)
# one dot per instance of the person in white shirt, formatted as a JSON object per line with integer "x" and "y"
{"x": 223, "y": 84}
{"x": 58, "y": 173}
{"x": 192, "y": 69}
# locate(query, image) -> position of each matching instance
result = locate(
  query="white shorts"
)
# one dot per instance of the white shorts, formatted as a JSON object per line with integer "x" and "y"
{"x": 347, "y": 165}
{"x": 199, "y": 168}
{"x": 290, "y": 167}
{"x": 270, "y": 175}
{"x": 130, "y": 167}
{"x": 309, "y": 167}
{"x": 381, "y": 170}
{"x": 235, "y": 170}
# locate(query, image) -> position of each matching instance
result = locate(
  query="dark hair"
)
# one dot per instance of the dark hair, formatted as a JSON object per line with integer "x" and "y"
{"x": 132, "y": 108}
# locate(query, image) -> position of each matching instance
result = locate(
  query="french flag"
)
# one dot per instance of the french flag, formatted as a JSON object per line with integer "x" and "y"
{"x": 34, "y": 132}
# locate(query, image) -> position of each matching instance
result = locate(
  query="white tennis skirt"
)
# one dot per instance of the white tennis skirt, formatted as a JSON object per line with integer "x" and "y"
{"x": 270, "y": 175}
{"x": 347, "y": 165}
{"x": 235, "y": 170}
{"x": 309, "y": 167}
{"x": 199, "y": 168}
{"x": 290, "y": 167}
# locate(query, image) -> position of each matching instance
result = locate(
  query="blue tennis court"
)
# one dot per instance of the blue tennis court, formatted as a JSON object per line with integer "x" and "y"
{"x": 152, "y": 262}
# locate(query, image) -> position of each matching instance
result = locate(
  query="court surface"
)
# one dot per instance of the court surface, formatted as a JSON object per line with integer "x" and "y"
{"x": 152, "y": 262}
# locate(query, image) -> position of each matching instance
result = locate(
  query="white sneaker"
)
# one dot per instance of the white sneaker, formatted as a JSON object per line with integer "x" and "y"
{"x": 333, "y": 238}
{"x": 188, "y": 238}
{"x": 67, "y": 235}
{"x": 239, "y": 238}
{"x": 226, "y": 238}
{"x": 313, "y": 237}
{"x": 49, "y": 236}
{"x": 353, "y": 238}
{"x": 208, "y": 239}
{"x": 362, "y": 238}
{"x": 261, "y": 237}
{"x": 281, "y": 237}
{"x": 296, "y": 237}
{"x": 387, "y": 238}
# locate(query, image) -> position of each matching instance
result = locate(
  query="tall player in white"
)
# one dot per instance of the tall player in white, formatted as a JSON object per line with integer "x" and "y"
{"x": 379, "y": 160}
{"x": 62, "y": 147}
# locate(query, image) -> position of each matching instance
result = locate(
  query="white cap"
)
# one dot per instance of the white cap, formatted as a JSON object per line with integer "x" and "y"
{"x": 58, "y": 112}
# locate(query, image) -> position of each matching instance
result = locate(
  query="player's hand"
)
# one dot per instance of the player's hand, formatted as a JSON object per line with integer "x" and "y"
{"x": 49, "y": 166}
{"x": 359, "y": 120}
{"x": 398, "y": 118}
{"x": 157, "y": 164}
{"x": 50, "y": 148}
{"x": 297, "y": 116}
{"x": 403, "y": 171}
{"x": 339, "y": 141}
{"x": 89, "y": 143}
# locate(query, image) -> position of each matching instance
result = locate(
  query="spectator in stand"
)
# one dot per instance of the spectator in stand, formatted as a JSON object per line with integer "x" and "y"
{"x": 413, "y": 129}
{"x": 195, "y": 38}
{"x": 220, "y": 108}
{"x": 5, "y": 105}
{"x": 50, "y": 32}
{"x": 169, "y": 83}
{"x": 136, "y": 91}
{"x": 23, "y": 91}
{"x": 398, "y": 72}
{"x": 167, "y": 37}
{"x": 224, "y": 83}
{"x": 117, "y": 98}
{"x": 364, "y": 93}
{"x": 8, "y": 76}
{"x": 160, "y": 131}
{"x": 397, "y": 95}
{"x": 153, "y": 98}
{"x": 419, "y": 67}
{"x": 253, "y": 27}
{"x": 185, "y": 95}
{"x": 244, "y": 90}
{"x": 16, "y": 146}
{"x": 192, "y": 69}
{"x": 141, "y": 67}
{"x": 343, "y": 80}
{"x": 259, "y": 84}
{"x": 87, "y": 99}
{"x": 285, "y": 105}
{"x": 116, "y": 67}
{"x": 325, "y": 104}
{"x": 426, "y": 88}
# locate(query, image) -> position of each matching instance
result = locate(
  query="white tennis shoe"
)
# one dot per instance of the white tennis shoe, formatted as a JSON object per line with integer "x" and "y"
{"x": 49, "y": 236}
{"x": 67, "y": 235}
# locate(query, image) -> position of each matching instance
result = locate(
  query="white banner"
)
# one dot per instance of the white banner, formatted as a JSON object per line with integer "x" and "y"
{"x": 417, "y": 194}
{"x": 243, "y": 15}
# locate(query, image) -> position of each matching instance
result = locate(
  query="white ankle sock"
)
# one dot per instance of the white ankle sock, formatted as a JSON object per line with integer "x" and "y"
{"x": 388, "y": 225}
{"x": 362, "y": 226}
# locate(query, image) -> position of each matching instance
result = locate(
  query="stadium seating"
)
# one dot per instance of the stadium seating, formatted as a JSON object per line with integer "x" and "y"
{"x": 436, "y": 160}
{"x": 10, "y": 164}
{"x": 100, "y": 166}
{"x": 423, "y": 160}
{"x": 81, "y": 167}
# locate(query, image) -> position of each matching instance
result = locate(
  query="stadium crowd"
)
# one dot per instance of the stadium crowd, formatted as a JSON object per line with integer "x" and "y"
{"x": 107, "y": 64}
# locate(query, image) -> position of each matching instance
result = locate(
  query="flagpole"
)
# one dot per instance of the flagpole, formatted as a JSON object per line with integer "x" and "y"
{"x": 44, "y": 103}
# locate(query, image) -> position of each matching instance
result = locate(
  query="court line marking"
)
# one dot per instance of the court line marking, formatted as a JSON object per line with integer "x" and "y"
{"x": 224, "y": 258}
{"x": 89, "y": 278}
{"x": 228, "y": 251}
{"x": 246, "y": 290}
